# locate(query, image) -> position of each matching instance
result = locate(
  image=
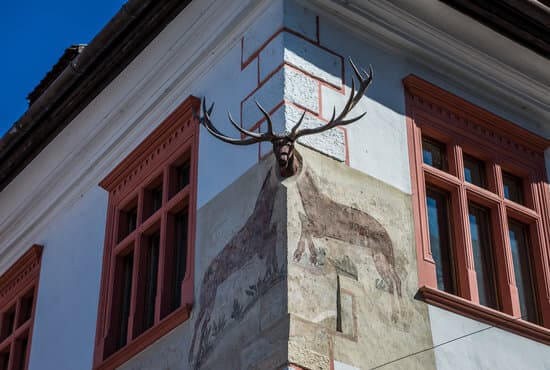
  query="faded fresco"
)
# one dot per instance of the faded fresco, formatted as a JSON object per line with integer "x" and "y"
{"x": 352, "y": 270}
{"x": 257, "y": 238}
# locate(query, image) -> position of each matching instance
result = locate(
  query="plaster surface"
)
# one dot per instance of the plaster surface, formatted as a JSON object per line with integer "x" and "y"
{"x": 351, "y": 288}
{"x": 463, "y": 343}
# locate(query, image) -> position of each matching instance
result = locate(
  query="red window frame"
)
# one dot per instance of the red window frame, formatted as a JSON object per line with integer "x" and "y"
{"x": 152, "y": 163}
{"x": 18, "y": 293}
{"x": 502, "y": 146}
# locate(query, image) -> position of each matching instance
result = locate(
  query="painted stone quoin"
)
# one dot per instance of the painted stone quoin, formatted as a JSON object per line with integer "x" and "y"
{"x": 283, "y": 144}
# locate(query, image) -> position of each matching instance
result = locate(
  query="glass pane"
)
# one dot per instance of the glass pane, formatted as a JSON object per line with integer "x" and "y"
{"x": 4, "y": 358}
{"x": 522, "y": 270}
{"x": 434, "y": 153}
{"x": 8, "y": 321}
{"x": 182, "y": 175}
{"x": 25, "y": 309}
{"x": 474, "y": 171}
{"x": 440, "y": 244}
{"x": 20, "y": 357}
{"x": 181, "y": 221}
{"x": 127, "y": 221}
{"x": 151, "y": 282}
{"x": 483, "y": 256}
{"x": 152, "y": 201}
{"x": 121, "y": 303}
{"x": 513, "y": 187}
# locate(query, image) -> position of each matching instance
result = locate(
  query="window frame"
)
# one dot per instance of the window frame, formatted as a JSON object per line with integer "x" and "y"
{"x": 503, "y": 147}
{"x": 22, "y": 277}
{"x": 153, "y": 159}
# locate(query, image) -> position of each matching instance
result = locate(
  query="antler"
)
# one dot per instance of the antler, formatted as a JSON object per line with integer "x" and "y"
{"x": 365, "y": 78}
{"x": 364, "y": 82}
{"x": 253, "y": 137}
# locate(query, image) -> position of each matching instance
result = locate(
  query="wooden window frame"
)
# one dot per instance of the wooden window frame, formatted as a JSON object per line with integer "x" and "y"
{"x": 503, "y": 146}
{"x": 15, "y": 284}
{"x": 128, "y": 183}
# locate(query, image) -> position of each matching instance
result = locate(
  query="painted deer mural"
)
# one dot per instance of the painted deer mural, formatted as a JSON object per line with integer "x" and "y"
{"x": 257, "y": 238}
{"x": 325, "y": 218}
{"x": 322, "y": 218}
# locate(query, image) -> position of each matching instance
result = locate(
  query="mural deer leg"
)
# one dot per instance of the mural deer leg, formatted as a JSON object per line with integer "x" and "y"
{"x": 325, "y": 218}
{"x": 255, "y": 238}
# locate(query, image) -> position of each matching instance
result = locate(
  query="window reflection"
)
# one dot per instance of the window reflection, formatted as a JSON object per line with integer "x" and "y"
{"x": 438, "y": 222}
{"x": 483, "y": 255}
{"x": 522, "y": 270}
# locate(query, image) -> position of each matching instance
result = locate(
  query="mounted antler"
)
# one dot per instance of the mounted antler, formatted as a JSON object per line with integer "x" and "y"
{"x": 283, "y": 145}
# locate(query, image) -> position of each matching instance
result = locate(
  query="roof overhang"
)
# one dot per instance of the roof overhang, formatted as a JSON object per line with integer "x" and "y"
{"x": 82, "y": 79}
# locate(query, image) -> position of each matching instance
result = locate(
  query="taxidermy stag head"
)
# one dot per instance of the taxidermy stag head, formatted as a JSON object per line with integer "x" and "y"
{"x": 283, "y": 144}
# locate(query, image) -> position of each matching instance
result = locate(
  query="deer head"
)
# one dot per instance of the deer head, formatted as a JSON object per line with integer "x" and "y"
{"x": 283, "y": 144}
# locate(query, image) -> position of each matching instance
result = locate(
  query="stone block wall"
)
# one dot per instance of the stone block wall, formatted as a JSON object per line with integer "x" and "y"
{"x": 294, "y": 72}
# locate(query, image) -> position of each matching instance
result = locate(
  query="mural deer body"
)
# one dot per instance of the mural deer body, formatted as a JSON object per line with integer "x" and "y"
{"x": 325, "y": 218}
{"x": 257, "y": 238}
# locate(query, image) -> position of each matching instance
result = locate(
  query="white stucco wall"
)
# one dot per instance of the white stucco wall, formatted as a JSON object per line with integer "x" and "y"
{"x": 56, "y": 201}
{"x": 462, "y": 343}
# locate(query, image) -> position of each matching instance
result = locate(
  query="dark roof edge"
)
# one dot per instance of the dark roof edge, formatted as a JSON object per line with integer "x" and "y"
{"x": 111, "y": 50}
{"x": 527, "y": 22}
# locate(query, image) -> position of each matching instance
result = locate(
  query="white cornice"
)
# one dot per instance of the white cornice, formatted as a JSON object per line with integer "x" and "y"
{"x": 392, "y": 27}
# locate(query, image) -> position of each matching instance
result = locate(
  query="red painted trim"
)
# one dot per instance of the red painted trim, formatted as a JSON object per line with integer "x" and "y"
{"x": 500, "y": 144}
{"x": 261, "y": 82}
{"x": 22, "y": 277}
{"x": 484, "y": 314}
{"x": 249, "y": 60}
{"x": 514, "y": 135}
{"x": 155, "y": 157}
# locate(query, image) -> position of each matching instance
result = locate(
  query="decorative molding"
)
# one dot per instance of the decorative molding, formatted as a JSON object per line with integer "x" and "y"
{"x": 392, "y": 28}
{"x": 18, "y": 275}
{"x": 469, "y": 117}
{"x": 484, "y": 314}
{"x": 153, "y": 151}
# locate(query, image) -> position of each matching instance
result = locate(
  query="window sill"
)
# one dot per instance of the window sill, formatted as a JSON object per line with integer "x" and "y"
{"x": 147, "y": 338}
{"x": 484, "y": 314}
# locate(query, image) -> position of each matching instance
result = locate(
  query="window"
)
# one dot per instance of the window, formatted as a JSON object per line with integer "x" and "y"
{"x": 481, "y": 197}
{"x": 18, "y": 292}
{"x": 147, "y": 278}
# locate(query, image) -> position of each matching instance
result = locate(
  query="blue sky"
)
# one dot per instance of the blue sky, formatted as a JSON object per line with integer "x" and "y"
{"x": 33, "y": 35}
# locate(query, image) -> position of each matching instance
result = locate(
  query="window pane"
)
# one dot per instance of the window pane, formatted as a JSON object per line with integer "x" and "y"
{"x": 483, "y": 256}
{"x": 438, "y": 223}
{"x": 151, "y": 282}
{"x": 182, "y": 175}
{"x": 127, "y": 221}
{"x": 5, "y": 358}
{"x": 181, "y": 221}
{"x": 121, "y": 303}
{"x": 21, "y": 345}
{"x": 513, "y": 187}
{"x": 25, "y": 309}
{"x": 152, "y": 198}
{"x": 434, "y": 153}
{"x": 522, "y": 270}
{"x": 8, "y": 321}
{"x": 474, "y": 171}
